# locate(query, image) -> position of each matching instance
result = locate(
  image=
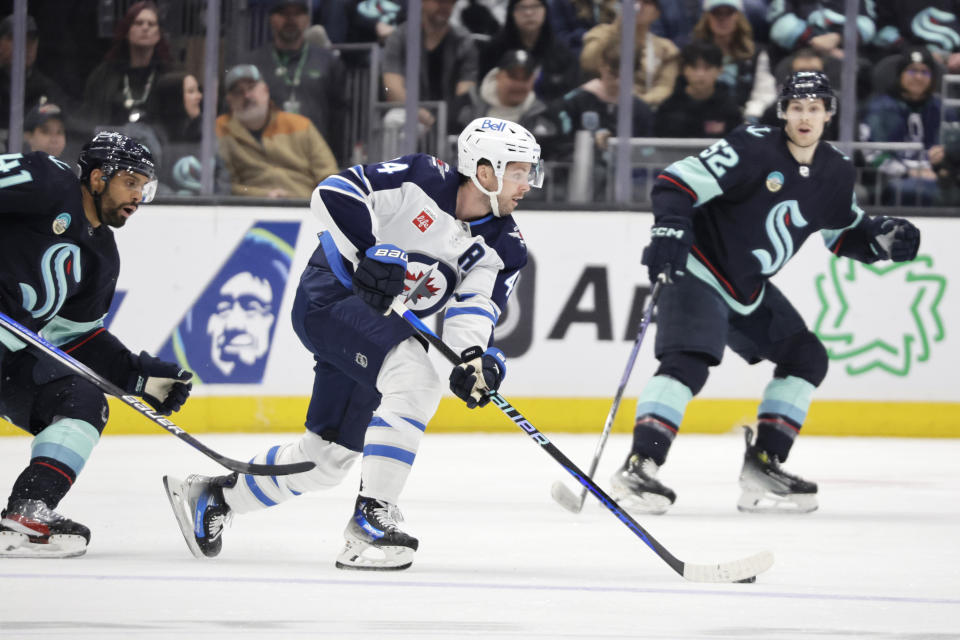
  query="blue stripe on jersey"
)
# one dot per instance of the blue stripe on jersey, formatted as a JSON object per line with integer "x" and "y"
{"x": 474, "y": 223}
{"x": 477, "y": 311}
{"x": 352, "y": 216}
{"x": 339, "y": 182}
{"x": 418, "y": 425}
{"x": 335, "y": 260}
{"x": 59, "y": 331}
{"x": 355, "y": 173}
{"x": 696, "y": 176}
{"x": 257, "y": 491}
{"x": 386, "y": 451}
{"x": 377, "y": 421}
{"x": 271, "y": 459}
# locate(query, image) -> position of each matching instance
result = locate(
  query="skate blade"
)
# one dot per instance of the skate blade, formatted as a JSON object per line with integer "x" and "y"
{"x": 18, "y": 545}
{"x": 367, "y": 557}
{"x": 180, "y": 503}
{"x": 753, "y": 501}
{"x": 652, "y": 504}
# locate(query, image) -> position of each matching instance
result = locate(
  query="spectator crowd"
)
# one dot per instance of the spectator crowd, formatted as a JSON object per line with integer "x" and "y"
{"x": 701, "y": 68}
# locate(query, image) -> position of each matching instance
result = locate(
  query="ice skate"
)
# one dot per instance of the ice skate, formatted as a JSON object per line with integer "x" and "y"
{"x": 201, "y": 512}
{"x": 30, "y": 529}
{"x": 374, "y": 539}
{"x": 636, "y": 488}
{"x": 767, "y": 488}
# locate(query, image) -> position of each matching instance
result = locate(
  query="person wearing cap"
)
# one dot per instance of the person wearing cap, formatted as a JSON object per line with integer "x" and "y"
{"x": 528, "y": 27}
{"x": 303, "y": 78}
{"x": 700, "y": 106}
{"x": 38, "y": 88}
{"x": 507, "y": 93}
{"x": 117, "y": 91}
{"x": 268, "y": 152}
{"x": 909, "y": 111}
{"x": 656, "y": 65}
{"x": 43, "y": 129}
{"x": 746, "y": 67}
{"x": 801, "y": 23}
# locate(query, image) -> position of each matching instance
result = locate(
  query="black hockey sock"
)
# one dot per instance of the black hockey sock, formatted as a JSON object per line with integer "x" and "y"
{"x": 46, "y": 479}
{"x": 774, "y": 438}
{"x": 652, "y": 437}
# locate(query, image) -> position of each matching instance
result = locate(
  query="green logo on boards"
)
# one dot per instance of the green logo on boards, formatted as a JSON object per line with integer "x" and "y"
{"x": 880, "y": 317}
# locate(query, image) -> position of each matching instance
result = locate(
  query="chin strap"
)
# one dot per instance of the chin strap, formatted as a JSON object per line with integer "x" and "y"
{"x": 492, "y": 195}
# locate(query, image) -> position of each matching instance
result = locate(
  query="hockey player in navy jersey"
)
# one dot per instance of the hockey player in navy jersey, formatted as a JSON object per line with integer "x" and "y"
{"x": 59, "y": 267}
{"x": 410, "y": 228}
{"x": 725, "y": 222}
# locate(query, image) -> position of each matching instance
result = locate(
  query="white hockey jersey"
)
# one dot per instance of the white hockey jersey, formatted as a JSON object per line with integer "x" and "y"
{"x": 467, "y": 269}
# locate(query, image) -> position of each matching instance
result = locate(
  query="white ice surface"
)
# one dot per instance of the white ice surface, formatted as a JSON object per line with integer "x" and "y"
{"x": 499, "y": 559}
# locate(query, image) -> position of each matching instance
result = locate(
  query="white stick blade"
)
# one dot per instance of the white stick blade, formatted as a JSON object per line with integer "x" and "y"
{"x": 735, "y": 571}
{"x": 566, "y": 498}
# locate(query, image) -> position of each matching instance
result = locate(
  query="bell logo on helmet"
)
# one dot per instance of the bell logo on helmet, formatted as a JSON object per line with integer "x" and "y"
{"x": 494, "y": 125}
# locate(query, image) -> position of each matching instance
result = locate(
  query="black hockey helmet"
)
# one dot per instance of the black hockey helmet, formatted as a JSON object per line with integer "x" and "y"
{"x": 110, "y": 152}
{"x": 806, "y": 85}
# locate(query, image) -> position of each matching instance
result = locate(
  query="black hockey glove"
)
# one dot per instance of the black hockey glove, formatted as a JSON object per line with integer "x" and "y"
{"x": 670, "y": 242}
{"x": 471, "y": 388}
{"x": 379, "y": 277}
{"x": 164, "y": 385}
{"x": 896, "y": 239}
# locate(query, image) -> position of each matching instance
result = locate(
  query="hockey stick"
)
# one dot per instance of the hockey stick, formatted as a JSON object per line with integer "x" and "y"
{"x": 108, "y": 387}
{"x": 564, "y": 496}
{"x": 743, "y": 570}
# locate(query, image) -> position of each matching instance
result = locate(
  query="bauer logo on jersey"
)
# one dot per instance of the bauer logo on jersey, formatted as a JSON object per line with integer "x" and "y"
{"x": 423, "y": 220}
{"x": 775, "y": 181}
{"x": 61, "y": 223}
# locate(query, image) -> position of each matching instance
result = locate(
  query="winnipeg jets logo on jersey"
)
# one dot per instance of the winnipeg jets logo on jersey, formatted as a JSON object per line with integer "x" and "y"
{"x": 782, "y": 215}
{"x": 429, "y": 283}
{"x": 419, "y": 284}
{"x": 59, "y": 264}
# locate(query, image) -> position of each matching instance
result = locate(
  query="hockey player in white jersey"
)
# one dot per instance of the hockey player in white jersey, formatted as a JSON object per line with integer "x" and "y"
{"x": 411, "y": 227}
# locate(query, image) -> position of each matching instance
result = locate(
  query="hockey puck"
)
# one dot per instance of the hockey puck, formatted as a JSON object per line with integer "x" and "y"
{"x": 748, "y": 580}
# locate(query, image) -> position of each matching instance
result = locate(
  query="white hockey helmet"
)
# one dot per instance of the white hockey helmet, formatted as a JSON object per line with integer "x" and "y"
{"x": 499, "y": 142}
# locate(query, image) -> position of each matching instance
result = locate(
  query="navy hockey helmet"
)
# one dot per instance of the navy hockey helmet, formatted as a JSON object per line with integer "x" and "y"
{"x": 806, "y": 85}
{"x": 110, "y": 152}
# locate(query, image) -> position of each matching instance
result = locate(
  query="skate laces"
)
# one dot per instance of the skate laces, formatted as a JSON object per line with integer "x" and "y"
{"x": 387, "y": 515}
{"x": 643, "y": 467}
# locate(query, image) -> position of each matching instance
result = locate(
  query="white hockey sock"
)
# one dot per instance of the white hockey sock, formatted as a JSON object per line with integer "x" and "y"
{"x": 332, "y": 462}
{"x": 389, "y": 449}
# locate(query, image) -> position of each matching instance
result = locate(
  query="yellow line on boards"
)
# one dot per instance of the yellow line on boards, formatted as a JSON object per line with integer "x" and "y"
{"x": 570, "y": 415}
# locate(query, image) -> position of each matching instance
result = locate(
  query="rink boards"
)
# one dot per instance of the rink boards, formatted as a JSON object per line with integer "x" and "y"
{"x": 212, "y": 288}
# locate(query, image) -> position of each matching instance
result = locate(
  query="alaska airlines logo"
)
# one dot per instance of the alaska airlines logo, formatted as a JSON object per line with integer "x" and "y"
{"x": 59, "y": 262}
{"x": 783, "y": 214}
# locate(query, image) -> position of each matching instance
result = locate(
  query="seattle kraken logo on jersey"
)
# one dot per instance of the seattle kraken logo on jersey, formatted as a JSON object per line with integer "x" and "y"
{"x": 59, "y": 262}
{"x": 782, "y": 215}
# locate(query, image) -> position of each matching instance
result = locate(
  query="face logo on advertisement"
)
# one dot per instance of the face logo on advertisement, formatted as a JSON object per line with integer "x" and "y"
{"x": 239, "y": 328}
{"x": 61, "y": 223}
{"x": 774, "y": 181}
{"x": 226, "y": 335}
{"x": 423, "y": 221}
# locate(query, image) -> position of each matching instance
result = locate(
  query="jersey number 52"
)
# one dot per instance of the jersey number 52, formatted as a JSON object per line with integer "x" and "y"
{"x": 719, "y": 157}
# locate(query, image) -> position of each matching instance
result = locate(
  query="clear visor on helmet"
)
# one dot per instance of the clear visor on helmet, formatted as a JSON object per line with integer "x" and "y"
{"x": 149, "y": 191}
{"x": 517, "y": 172}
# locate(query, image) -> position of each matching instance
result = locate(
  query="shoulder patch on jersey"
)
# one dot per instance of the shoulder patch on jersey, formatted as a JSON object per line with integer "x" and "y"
{"x": 441, "y": 166}
{"x": 61, "y": 223}
{"x": 774, "y": 181}
{"x": 759, "y": 132}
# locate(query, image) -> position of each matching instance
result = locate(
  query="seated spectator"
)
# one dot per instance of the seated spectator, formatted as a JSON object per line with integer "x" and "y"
{"x": 934, "y": 24}
{"x": 448, "y": 64}
{"x": 799, "y": 23}
{"x": 656, "y": 65}
{"x": 910, "y": 112}
{"x": 528, "y": 28}
{"x": 507, "y": 93}
{"x": 303, "y": 79}
{"x": 805, "y": 59}
{"x": 118, "y": 89}
{"x": 746, "y": 68}
{"x": 268, "y": 152}
{"x": 174, "y": 111}
{"x": 374, "y": 21}
{"x": 946, "y": 163}
{"x": 38, "y": 88}
{"x": 43, "y": 130}
{"x": 700, "y": 107}
{"x": 571, "y": 19}
{"x": 594, "y": 106}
